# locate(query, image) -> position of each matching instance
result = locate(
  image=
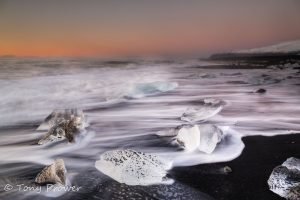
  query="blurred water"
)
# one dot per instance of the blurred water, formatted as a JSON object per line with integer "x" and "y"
{"x": 126, "y": 105}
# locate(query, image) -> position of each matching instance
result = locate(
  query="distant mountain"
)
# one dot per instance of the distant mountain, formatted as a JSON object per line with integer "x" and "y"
{"x": 284, "y": 47}
{"x": 281, "y": 51}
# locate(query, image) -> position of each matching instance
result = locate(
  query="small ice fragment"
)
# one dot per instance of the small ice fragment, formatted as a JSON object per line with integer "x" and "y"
{"x": 203, "y": 112}
{"x": 213, "y": 101}
{"x": 147, "y": 89}
{"x": 227, "y": 169}
{"x": 55, "y": 173}
{"x": 172, "y": 132}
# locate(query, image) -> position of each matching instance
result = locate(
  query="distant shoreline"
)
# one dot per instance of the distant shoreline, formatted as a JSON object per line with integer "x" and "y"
{"x": 256, "y": 56}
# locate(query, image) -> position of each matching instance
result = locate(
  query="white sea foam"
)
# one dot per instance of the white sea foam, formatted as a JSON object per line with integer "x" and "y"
{"x": 39, "y": 90}
{"x": 32, "y": 90}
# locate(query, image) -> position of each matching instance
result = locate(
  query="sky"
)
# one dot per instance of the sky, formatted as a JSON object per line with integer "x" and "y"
{"x": 112, "y": 28}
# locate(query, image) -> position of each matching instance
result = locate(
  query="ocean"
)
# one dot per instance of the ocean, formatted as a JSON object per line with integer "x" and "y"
{"x": 126, "y": 104}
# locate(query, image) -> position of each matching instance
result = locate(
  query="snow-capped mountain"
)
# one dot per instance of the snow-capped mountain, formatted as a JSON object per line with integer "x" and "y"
{"x": 284, "y": 47}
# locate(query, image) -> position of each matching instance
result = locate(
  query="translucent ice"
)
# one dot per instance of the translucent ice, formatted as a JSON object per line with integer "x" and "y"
{"x": 188, "y": 137}
{"x": 134, "y": 168}
{"x": 210, "y": 136}
{"x": 146, "y": 89}
{"x": 55, "y": 173}
{"x": 203, "y": 137}
{"x": 202, "y": 112}
{"x": 285, "y": 179}
{"x": 62, "y": 124}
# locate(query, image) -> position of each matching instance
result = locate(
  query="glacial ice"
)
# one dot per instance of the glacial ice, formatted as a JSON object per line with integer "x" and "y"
{"x": 292, "y": 163}
{"x": 63, "y": 124}
{"x": 285, "y": 179}
{"x": 146, "y": 89}
{"x": 134, "y": 168}
{"x": 213, "y": 101}
{"x": 188, "y": 137}
{"x": 55, "y": 173}
{"x": 204, "y": 137}
{"x": 203, "y": 112}
{"x": 171, "y": 132}
{"x": 60, "y": 115}
{"x": 210, "y": 136}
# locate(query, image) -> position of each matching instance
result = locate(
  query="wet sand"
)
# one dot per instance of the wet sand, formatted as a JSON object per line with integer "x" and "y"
{"x": 250, "y": 171}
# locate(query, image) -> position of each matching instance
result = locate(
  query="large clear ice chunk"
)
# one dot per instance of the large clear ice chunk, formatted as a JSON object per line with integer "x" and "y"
{"x": 134, "y": 168}
{"x": 285, "y": 179}
{"x": 188, "y": 137}
{"x": 203, "y": 137}
{"x": 210, "y": 136}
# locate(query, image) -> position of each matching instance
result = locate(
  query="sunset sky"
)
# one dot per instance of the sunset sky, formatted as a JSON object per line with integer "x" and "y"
{"x": 143, "y": 27}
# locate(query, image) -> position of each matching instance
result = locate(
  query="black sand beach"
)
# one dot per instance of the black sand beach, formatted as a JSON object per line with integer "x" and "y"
{"x": 250, "y": 171}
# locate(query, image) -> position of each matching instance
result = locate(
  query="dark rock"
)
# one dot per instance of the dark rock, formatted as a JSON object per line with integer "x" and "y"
{"x": 261, "y": 91}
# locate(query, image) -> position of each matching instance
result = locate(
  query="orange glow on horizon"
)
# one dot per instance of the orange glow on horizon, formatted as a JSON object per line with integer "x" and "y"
{"x": 108, "y": 29}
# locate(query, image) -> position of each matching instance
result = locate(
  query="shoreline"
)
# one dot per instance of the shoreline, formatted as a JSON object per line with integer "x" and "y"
{"x": 250, "y": 171}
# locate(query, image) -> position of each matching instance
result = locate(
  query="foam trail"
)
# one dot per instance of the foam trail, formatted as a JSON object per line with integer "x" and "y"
{"x": 33, "y": 89}
{"x": 230, "y": 148}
